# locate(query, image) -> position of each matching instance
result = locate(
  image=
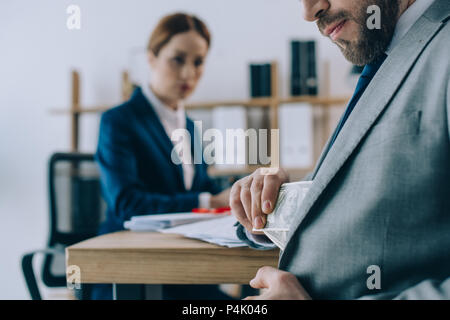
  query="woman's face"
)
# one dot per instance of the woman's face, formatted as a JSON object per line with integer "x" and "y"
{"x": 178, "y": 67}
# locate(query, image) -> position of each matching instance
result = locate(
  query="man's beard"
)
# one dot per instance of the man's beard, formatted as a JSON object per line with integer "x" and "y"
{"x": 370, "y": 44}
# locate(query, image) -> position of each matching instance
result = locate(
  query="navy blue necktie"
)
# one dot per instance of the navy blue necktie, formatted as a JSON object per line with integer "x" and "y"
{"x": 366, "y": 76}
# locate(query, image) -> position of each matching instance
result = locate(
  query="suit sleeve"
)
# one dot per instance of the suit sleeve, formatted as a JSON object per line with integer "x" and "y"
{"x": 258, "y": 242}
{"x": 122, "y": 188}
{"x": 425, "y": 290}
{"x": 210, "y": 186}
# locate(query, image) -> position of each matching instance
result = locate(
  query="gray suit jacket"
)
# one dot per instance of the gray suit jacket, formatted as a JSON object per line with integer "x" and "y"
{"x": 381, "y": 196}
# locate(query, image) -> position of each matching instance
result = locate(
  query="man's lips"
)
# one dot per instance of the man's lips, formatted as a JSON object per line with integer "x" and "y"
{"x": 334, "y": 29}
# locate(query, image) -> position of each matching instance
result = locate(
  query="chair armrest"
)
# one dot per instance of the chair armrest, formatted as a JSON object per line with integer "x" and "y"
{"x": 28, "y": 272}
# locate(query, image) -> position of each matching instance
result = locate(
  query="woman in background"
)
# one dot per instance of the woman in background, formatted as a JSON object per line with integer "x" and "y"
{"x": 134, "y": 151}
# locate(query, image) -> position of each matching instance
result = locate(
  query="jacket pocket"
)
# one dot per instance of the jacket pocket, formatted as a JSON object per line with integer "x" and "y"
{"x": 393, "y": 129}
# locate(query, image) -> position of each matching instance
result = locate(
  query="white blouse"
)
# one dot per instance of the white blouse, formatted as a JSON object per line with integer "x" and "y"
{"x": 172, "y": 120}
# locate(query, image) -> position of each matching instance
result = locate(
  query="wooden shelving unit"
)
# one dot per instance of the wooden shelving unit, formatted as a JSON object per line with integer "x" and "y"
{"x": 273, "y": 102}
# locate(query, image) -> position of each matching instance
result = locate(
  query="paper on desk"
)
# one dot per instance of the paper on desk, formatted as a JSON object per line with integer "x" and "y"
{"x": 155, "y": 222}
{"x": 221, "y": 231}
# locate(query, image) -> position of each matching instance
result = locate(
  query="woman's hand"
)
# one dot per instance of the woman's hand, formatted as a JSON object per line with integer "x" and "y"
{"x": 221, "y": 199}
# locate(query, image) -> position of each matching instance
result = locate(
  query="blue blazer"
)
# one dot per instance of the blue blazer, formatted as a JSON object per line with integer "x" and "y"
{"x": 136, "y": 171}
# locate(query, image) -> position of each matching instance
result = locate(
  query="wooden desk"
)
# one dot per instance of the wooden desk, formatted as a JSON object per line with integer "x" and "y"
{"x": 157, "y": 258}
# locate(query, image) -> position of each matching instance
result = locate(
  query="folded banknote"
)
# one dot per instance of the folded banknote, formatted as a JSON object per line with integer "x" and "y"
{"x": 290, "y": 198}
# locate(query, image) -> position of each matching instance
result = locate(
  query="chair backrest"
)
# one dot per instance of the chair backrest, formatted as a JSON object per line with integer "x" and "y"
{"x": 76, "y": 208}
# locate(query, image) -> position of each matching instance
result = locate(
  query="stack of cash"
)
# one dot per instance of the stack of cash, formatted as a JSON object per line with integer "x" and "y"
{"x": 279, "y": 222}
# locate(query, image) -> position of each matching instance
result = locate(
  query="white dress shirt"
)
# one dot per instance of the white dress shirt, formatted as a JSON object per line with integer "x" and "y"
{"x": 172, "y": 120}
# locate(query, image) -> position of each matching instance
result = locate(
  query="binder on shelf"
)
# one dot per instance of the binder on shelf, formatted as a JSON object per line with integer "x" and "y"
{"x": 311, "y": 81}
{"x": 265, "y": 80}
{"x": 295, "y": 68}
{"x": 254, "y": 80}
{"x": 303, "y": 68}
{"x": 260, "y": 80}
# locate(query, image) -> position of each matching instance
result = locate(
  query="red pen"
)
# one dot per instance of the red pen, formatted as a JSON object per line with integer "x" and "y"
{"x": 223, "y": 210}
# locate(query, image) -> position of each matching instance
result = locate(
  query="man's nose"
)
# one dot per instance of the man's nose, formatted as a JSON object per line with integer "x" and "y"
{"x": 313, "y": 9}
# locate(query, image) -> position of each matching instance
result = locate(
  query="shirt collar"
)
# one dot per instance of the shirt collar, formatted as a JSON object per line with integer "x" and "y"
{"x": 407, "y": 20}
{"x": 164, "y": 112}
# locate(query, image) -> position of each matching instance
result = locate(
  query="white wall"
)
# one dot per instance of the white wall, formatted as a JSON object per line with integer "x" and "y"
{"x": 37, "y": 52}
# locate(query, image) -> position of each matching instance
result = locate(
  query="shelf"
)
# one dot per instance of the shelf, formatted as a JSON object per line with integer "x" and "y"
{"x": 259, "y": 102}
{"x": 271, "y": 103}
{"x": 294, "y": 172}
{"x": 79, "y": 111}
{"x": 314, "y": 100}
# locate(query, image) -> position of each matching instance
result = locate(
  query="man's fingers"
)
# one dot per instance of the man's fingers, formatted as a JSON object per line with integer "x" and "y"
{"x": 246, "y": 197}
{"x": 258, "y": 218}
{"x": 263, "y": 277}
{"x": 237, "y": 208}
{"x": 254, "y": 196}
{"x": 269, "y": 193}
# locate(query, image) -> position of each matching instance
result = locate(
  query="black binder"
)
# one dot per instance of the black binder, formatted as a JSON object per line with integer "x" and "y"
{"x": 260, "y": 80}
{"x": 303, "y": 68}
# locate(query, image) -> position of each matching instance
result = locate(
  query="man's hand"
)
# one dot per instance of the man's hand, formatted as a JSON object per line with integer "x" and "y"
{"x": 254, "y": 196}
{"x": 279, "y": 285}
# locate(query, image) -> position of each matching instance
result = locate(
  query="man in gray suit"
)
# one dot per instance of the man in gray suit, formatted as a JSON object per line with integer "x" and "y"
{"x": 376, "y": 221}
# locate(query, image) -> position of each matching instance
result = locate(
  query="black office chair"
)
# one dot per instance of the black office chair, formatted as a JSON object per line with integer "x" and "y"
{"x": 76, "y": 209}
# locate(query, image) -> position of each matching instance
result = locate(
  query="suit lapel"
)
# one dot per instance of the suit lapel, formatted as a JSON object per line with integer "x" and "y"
{"x": 323, "y": 154}
{"x": 196, "y": 145}
{"x": 372, "y": 103}
{"x": 155, "y": 128}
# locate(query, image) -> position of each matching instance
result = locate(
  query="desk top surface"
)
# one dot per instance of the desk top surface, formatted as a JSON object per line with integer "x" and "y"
{"x": 150, "y": 241}
{"x": 152, "y": 257}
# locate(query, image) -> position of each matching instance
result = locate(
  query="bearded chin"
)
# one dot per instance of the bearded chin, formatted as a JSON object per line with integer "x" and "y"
{"x": 371, "y": 44}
